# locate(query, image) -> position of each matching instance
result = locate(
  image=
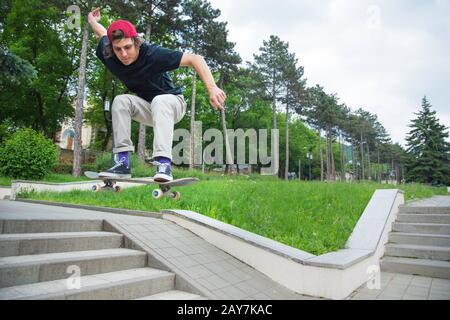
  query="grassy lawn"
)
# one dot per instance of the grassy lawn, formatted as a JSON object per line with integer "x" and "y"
{"x": 317, "y": 217}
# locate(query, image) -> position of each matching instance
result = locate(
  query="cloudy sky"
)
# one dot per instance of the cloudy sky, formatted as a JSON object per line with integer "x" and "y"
{"x": 383, "y": 56}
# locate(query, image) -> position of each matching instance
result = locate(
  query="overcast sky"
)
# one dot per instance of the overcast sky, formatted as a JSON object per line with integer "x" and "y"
{"x": 383, "y": 56}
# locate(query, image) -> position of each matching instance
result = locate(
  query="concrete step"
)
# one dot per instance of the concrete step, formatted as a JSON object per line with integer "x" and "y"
{"x": 421, "y": 267}
{"x": 173, "y": 295}
{"x": 423, "y": 218}
{"x": 420, "y": 239}
{"x": 53, "y": 225}
{"x": 424, "y": 210}
{"x": 417, "y": 251}
{"x": 118, "y": 285}
{"x": 18, "y": 244}
{"x": 52, "y": 266}
{"x": 428, "y": 228}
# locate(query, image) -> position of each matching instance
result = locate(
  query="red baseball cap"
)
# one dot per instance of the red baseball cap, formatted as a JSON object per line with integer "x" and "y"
{"x": 127, "y": 28}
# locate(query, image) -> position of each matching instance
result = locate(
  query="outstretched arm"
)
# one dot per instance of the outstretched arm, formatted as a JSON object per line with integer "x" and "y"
{"x": 216, "y": 95}
{"x": 93, "y": 18}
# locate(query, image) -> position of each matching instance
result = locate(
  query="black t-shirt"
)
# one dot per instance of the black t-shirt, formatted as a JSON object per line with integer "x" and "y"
{"x": 147, "y": 76}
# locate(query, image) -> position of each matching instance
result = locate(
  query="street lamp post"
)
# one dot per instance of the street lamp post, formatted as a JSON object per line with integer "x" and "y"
{"x": 299, "y": 169}
{"x": 309, "y": 156}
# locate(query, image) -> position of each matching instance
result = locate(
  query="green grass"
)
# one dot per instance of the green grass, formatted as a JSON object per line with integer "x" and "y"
{"x": 317, "y": 217}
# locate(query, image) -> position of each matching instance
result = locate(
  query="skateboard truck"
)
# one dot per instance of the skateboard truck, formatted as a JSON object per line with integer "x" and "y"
{"x": 165, "y": 191}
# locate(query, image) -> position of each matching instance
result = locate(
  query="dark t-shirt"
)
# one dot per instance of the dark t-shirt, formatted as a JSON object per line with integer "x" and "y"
{"x": 147, "y": 76}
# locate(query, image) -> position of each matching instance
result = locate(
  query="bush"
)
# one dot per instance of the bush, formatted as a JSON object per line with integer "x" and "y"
{"x": 27, "y": 155}
{"x": 66, "y": 168}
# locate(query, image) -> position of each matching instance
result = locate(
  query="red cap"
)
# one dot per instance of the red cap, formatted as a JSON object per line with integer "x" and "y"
{"x": 127, "y": 28}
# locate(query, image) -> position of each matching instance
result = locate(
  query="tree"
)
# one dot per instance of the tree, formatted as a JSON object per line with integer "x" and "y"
{"x": 427, "y": 147}
{"x": 322, "y": 112}
{"x": 222, "y": 58}
{"x": 294, "y": 97}
{"x": 33, "y": 38}
{"x": 198, "y": 16}
{"x": 270, "y": 63}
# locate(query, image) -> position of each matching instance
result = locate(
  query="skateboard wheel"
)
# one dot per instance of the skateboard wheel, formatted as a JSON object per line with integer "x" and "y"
{"x": 176, "y": 195}
{"x": 157, "y": 194}
{"x": 118, "y": 189}
{"x": 97, "y": 188}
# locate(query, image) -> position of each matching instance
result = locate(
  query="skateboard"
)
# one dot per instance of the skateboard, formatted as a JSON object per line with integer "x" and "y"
{"x": 163, "y": 191}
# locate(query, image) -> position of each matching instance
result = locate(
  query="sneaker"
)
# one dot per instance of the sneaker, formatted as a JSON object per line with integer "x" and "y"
{"x": 162, "y": 172}
{"x": 119, "y": 170}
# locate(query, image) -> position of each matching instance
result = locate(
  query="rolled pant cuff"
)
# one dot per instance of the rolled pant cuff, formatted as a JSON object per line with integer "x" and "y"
{"x": 162, "y": 154}
{"x": 123, "y": 149}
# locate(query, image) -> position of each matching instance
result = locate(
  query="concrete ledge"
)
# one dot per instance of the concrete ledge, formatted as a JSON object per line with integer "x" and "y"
{"x": 227, "y": 229}
{"x": 332, "y": 275}
{"x": 5, "y": 192}
{"x": 341, "y": 259}
{"x": 18, "y": 186}
{"x": 368, "y": 231}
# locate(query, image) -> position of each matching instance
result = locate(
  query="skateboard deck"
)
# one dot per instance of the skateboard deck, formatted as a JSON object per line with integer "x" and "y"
{"x": 164, "y": 187}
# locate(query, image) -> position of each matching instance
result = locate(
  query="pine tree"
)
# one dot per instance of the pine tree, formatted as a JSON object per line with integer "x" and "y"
{"x": 428, "y": 149}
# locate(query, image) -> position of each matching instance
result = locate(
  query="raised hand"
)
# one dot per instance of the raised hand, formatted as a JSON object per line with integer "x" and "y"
{"x": 217, "y": 98}
{"x": 94, "y": 15}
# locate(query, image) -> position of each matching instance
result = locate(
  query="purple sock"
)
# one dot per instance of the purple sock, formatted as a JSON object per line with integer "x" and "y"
{"x": 163, "y": 160}
{"x": 125, "y": 155}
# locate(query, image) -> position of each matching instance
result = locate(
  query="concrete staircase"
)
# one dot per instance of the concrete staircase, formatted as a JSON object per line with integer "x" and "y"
{"x": 419, "y": 243}
{"x": 39, "y": 259}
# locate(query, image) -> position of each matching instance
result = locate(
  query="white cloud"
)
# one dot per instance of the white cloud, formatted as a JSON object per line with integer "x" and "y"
{"x": 380, "y": 55}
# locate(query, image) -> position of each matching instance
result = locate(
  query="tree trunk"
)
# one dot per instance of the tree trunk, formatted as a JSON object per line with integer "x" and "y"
{"x": 333, "y": 169}
{"x": 362, "y": 157}
{"x": 192, "y": 142}
{"x": 274, "y": 115}
{"x": 78, "y": 125}
{"x": 355, "y": 174}
{"x": 286, "y": 167}
{"x": 321, "y": 157}
{"x": 378, "y": 166}
{"x": 369, "y": 167}
{"x": 229, "y": 155}
{"x": 327, "y": 156}
{"x": 341, "y": 157}
{"x": 227, "y": 145}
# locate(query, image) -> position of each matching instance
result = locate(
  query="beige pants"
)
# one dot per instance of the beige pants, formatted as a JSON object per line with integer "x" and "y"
{"x": 162, "y": 113}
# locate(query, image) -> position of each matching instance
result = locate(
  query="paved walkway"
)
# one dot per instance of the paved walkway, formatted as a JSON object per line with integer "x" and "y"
{"x": 435, "y": 201}
{"x": 218, "y": 273}
{"x": 394, "y": 286}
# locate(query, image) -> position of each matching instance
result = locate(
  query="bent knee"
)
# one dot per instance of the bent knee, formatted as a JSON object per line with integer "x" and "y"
{"x": 121, "y": 101}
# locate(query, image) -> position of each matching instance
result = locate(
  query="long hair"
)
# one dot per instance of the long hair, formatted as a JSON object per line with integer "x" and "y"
{"x": 116, "y": 35}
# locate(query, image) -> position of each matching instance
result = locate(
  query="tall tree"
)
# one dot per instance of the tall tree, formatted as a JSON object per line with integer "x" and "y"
{"x": 427, "y": 147}
{"x": 223, "y": 59}
{"x": 42, "y": 103}
{"x": 294, "y": 96}
{"x": 270, "y": 63}
{"x": 198, "y": 16}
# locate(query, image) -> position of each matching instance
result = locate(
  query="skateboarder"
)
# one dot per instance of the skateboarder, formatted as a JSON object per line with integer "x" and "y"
{"x": 143, "y": 67}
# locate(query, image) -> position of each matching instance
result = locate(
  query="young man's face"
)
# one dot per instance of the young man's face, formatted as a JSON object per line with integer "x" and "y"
{"x": 125, "y": 50}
